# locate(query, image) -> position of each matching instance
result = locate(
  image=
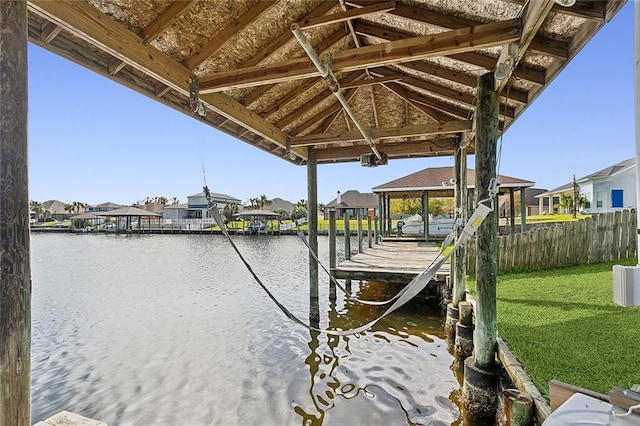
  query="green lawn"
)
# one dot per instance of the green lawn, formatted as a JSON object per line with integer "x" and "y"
{"x": 562, "y": 324}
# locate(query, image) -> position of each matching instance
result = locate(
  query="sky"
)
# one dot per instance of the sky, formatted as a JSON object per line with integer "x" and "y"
{"x": 93, "y": 140}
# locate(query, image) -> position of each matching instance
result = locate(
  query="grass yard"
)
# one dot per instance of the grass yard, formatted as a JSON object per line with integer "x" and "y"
{"x": 562, "y": 324}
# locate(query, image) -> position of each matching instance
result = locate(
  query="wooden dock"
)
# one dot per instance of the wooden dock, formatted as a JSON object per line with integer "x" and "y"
{"x": 394, "y": 260}
{"x": 66, "y": 418}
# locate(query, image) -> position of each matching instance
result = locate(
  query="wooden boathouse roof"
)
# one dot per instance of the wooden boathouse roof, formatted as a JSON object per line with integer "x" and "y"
{"x": 408, "y": 68}
{"x": 439, "y": 181}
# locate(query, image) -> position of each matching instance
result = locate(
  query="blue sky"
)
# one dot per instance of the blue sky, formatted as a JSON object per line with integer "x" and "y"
{"x": 93, "y": 140}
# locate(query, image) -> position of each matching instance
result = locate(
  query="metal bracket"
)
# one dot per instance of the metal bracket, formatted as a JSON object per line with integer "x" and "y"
{"x": 195, "y": 104}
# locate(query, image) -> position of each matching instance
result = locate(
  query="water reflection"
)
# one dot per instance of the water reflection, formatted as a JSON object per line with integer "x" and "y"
{"x": 172, "y": 330}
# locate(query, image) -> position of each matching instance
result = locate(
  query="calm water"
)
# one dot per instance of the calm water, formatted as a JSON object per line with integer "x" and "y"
{"x": 173, "y": 330}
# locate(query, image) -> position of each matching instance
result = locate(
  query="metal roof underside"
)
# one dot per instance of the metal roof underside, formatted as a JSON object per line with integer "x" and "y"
{"x": 408, "y": 69}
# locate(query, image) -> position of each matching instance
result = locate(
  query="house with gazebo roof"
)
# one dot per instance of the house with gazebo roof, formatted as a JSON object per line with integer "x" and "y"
{"x": 439, "y": 182}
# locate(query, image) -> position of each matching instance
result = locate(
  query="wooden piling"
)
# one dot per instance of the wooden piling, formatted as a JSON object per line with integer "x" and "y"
{"x": 464, "y": 331}
{"x": 332, "y": 240}
{"x": 425, "y": 214}
{"x": 359, "y": 221}
{"x": 512, "y": 211}
{"x": 369, "y": 232}
{"x": 487, "y": 233}
{"x": 15, "y": 282}
{"x": 518, "y": 408}
{"x": 312, "y": 221}
{"x": 523, "y": 210}
{"x": 460, "y": 259}
{"x": 480, "y": 383}
{"x": 347, "y": 237}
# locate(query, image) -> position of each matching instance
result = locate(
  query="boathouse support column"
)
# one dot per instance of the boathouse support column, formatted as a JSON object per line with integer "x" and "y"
{"x": 380, "y": 218}
{"x": 347, "y": 236}
{"x": 523, "y": 210}
{"x": 15, "y": 277}
{"x": 388, "y": 214}
{"x": 460, "y": 265}
{"x": 359, "y": 222}
{"x": 512, "y": 211}
{"x": 312, "y": 221}
{"x": 480, "y": 378}
{"x": 425, "y": 214}
{"x": 332, "y": 240}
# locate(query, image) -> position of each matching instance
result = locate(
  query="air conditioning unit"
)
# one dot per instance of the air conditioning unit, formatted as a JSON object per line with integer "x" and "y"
{"x": 626, "y": 285}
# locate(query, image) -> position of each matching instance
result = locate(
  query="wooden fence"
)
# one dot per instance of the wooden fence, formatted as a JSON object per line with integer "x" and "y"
{"x": 600, "y": 238}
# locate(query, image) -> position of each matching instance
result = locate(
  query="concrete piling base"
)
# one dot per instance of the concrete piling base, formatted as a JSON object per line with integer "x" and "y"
{"x": 450, "y": 322}
{"x": 463, "y": 347}
{"x": 479, "y": 394}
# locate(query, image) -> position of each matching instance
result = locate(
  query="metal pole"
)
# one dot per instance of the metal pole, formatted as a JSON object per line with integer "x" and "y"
{"x": 325, "y": 73}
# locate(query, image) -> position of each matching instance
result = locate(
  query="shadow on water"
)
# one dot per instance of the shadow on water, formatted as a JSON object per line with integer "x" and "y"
{"x": 356, "y": 380}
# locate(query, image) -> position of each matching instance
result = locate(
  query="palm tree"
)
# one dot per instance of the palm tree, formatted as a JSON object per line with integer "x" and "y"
{"x": 175, "y": 200}
{"x": 37, "y": 208}
{"x": 302, "y": 203}
{"x": 264, "y": 201}
{"x": 229, "y": 210}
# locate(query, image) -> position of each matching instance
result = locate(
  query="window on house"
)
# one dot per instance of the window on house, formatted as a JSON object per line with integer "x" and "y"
{"x": 599, "y": 199}
{"x": 617, "y": 198}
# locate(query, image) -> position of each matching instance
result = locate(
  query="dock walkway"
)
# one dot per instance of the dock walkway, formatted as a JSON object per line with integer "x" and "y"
{"x": 391, "y": 261}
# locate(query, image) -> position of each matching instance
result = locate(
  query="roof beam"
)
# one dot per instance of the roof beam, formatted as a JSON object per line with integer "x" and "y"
{"x": 91, "y": 25}
{"x": 372, "y": 81}
{"x": 428, "y": 148}
{"x": 347, "y": 15}
{"x": 429, "y": 68}
{"x": 473, "y": 58}
{"x": 384, "y": 133}
{"x": 402, "y": 93}
{"x": 220, "y": 38}
{"x": 418, "y": 98}
{"x": 583, "y": 9}
{"x": 167, "y": 17}
{"x": 533, "y": 16}
{"x": 450, "y": 42}
{"x": 450, "y": 22}
{"x": 48, "y": 32}
{"x": 334, "y": 107}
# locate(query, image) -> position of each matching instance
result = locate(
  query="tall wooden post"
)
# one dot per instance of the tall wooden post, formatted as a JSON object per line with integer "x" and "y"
{"x": 460, "y": 266}
{"x": 332, "y": 240}
{"x": 15, "y": 275}
{"x": 347, "y": 236}
{"x": 523, "y": 210}
{"x": 425, "y": 214}
{"x": 480, "y": 379}
{"x": 359, "y": 222}
{"x": 512, "y": 211}
{"x": 388, "y": 215}
{"x": 312, "y": 221}
{"x": 369, "y": 232}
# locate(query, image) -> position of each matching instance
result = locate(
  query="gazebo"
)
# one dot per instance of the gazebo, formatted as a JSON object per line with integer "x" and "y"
{"x": 258, "y": 220}
{"x": 127, "y": 213}
{"x": 310, "y": 82}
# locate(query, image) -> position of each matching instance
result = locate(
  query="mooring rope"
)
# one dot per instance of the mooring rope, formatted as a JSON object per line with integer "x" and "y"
{"x": 410, "y": 291}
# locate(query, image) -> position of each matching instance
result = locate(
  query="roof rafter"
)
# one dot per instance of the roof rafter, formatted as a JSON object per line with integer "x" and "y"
{"x": 384, "y": 133}
{"x": 219, "y": 39}
{"x": 401, "y": 92}
{"x": 583, "y": 9}
{"x": 91, "y": 25}
{"x": 425, "y": 148}
{"x": 323, "y": 46}
{"x": 433, "y": 104}
{"x": 336, "y": 106}
{"x": 473, "y": 58}
{"x": 333, "y": 18}
{"x": 449, "y": 42}
{"x": 167, "y": 17}
{"x": 533, "y": 16}
{"x": 372, "y": 81}
{"x": 48, "y": 32}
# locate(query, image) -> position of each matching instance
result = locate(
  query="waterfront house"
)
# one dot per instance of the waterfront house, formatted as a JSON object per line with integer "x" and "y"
{"x": 175, "y": 211}
{"x": 198, "y": 205}
{"x": 610, "y": 189}
{"x": 353, "y": 203}
{"x": 54, "y": 209}
{"x": 104, "y": 207}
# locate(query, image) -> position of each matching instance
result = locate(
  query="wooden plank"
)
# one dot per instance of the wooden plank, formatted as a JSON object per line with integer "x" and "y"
{"x": 347, "y": 15}
{"x": 559, "y": 392}
{"x": 456, "y": 126}
{"x": 167, "y": 17}
{"x": 521, "y": 379}
{"x": 235, "y": 27}
{"x": 409, "y": 97}
{"x": 372, "y": 81}
{"x": 446, "y": 43}
{"x": 48, "y": 32}
{"x": 101, "y": 30}
{"x": 336, "y": 106}
{"x": 405, "y": 149}
{"x": 418, "y": 98}
{"x": 67, "y": 418}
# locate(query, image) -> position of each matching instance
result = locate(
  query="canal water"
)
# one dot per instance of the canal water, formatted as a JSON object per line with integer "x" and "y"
{"x": 173, "y": 330}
